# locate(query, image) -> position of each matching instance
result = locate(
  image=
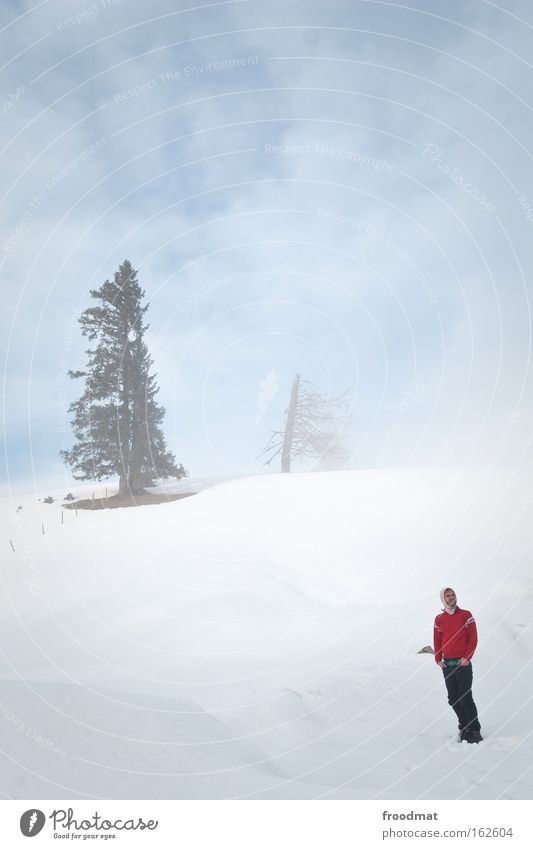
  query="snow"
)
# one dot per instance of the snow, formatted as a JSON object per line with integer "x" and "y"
{"x": 261, "y": 639}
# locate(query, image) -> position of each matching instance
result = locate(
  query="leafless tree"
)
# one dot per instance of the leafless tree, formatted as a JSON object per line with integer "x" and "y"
{"x": 312, "y": 425}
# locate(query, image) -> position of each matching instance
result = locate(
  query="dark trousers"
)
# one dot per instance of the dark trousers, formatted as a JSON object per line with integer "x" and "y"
{"x": 458, "y": 680}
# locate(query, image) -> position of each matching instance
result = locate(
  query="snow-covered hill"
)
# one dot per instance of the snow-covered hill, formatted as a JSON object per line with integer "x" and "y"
{"x": 260, "y": 640}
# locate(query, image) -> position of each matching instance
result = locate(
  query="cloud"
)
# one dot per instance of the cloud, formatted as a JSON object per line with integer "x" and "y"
{"x": 331, "y": 162}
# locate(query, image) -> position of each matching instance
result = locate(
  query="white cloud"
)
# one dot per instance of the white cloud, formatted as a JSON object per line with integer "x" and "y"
{"x": 385, "y": 247}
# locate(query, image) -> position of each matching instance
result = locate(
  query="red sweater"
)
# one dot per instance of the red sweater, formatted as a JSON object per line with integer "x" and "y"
{"x": 455, "y": 634}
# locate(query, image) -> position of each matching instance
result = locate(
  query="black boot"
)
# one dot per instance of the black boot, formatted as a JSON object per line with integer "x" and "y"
{"x": 475, "y": 737}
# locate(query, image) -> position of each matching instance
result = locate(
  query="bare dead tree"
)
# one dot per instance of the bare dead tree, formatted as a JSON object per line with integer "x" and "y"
{"x": 312, "y": 425}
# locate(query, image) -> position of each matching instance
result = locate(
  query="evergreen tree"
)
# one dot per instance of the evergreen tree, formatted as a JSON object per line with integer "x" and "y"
{"x": 117, "y": 419}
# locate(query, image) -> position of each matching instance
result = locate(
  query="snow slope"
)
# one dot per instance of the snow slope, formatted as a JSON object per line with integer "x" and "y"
{"x": 261, "y": 640}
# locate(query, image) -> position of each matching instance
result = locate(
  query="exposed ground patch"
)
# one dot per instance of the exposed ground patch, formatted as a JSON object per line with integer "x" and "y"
{"x": 123, "y": 501}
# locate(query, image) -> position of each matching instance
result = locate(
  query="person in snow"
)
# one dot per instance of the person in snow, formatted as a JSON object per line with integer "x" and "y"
{"x": 455, "y": 641}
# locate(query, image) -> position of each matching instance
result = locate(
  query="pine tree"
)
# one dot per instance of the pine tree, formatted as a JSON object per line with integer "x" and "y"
{"x": 117, "y": 419}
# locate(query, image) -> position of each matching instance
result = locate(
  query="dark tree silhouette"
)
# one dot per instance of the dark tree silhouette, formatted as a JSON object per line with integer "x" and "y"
{"x": 117, "y": 419}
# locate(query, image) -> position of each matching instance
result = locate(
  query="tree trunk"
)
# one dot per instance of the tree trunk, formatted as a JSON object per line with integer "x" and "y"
{"x": 289, "y": 427}
{"x": 137, "y": 484}
{"x": 131, "y": 484}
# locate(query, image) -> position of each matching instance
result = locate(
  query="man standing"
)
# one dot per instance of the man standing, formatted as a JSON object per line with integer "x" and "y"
{"x": 455, "y": 641}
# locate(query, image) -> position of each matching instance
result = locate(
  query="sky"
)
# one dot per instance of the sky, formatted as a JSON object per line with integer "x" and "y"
{"x": 341, "y": 190}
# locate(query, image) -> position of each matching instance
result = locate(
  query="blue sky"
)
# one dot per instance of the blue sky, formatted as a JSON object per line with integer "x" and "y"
{"x": 342, "y": 190}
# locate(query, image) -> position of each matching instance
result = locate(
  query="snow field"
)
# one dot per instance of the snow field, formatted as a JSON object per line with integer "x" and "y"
{"x": 261, "y": 640}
